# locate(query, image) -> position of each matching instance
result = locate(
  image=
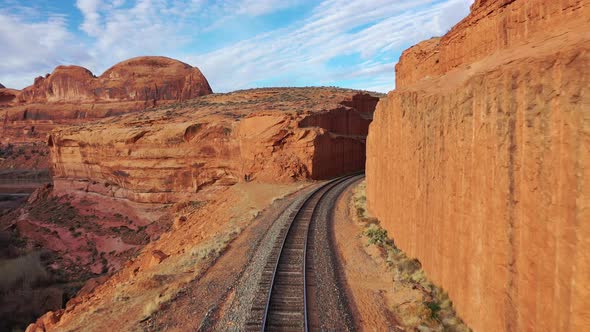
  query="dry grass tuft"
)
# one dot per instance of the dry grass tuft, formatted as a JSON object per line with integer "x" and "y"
{"x": 435, "y": 311}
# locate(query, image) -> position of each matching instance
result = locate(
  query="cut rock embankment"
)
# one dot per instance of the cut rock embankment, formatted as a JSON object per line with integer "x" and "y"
{"x": 478, "y": 163}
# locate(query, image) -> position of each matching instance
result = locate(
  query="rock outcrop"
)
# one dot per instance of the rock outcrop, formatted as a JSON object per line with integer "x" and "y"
{"x": 114, "y": 180}
{"x": 479, "y": 163}
{"x": 146, "y": 79}
{"x": 7, "y": 96}
{"x": 72, "y": 94}
{"x": 169, "y": 155}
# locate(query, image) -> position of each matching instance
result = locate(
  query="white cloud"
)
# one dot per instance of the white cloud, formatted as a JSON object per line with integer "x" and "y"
{"x": 89, "y": 9}
{"x": 298, "y": 54}
{"x": 336, "y": 28}
{"x": 32, "y": 49}
{"x": 261, "y": 7}
{"x": 145, "y": 27}
{"x": 137, "y": 30}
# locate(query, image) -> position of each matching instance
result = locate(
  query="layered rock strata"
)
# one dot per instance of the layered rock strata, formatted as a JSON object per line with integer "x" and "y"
{"x": 171, "y": 154}
{"x": 72, "y": 94}
{"x": 479, "y": 163}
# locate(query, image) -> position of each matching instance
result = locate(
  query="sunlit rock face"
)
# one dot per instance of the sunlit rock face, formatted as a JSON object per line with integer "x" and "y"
{"x": 72, "y": 95}
{"x": 139, "y": 79}
{"x": 171, "y": 154}
{"x": 479, "y": 163}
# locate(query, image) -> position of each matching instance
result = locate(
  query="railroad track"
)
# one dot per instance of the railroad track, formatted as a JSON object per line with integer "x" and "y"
{"x": 281, "y": 301}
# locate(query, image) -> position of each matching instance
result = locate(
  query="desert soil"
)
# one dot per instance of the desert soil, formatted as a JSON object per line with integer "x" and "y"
{"x": 206, "y": 299}
{"x": 368, "y": 281}
{"x": 386, "y": 289}
{"x": 179, "y": 281}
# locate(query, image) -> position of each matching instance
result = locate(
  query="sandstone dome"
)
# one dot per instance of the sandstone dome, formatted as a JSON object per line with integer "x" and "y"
{"x": 148, "y": 78}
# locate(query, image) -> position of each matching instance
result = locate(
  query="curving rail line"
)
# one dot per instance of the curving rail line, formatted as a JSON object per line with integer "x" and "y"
{"x": 281, "y": 302}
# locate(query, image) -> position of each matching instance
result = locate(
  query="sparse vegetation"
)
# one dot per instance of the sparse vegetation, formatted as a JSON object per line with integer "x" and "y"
{"x": 188, "y": 207}
{"x": 10, "y": 155}
{"x": 64, "y": 215}
{"x": 377, "y": 236}
{"x": 436, "y": 310}
{"x": 121, "y": 173}
{"x": 296, "y": 99}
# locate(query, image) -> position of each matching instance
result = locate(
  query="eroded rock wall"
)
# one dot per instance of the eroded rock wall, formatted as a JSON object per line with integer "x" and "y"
{"x": 479, "y": 164}
{"x": 493, "y": 25}
{"x": 172, "y": 154}
{"x": 150, "y": 165}
{"x": 7, "y": 96}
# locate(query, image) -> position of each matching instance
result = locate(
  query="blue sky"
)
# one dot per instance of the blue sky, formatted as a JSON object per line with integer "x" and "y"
{"x": 237, "y": 44}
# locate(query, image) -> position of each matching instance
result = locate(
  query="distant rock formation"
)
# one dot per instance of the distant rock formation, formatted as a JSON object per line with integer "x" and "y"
{"x": 170, "y": 155}
{"x": 7, "y": 96}
{"x": 72, "y": 94}
{"x": 479, "y": 164}
{"x": 2, "y": 86}
{"x": 146, "y": 79}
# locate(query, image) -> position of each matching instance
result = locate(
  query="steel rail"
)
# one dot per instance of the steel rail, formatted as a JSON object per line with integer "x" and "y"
{"x": 327, "y": 188}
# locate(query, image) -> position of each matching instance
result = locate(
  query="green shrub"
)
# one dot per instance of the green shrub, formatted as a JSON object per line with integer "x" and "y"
{"x": 377, "y": 236}
{"x": 434, "y": 308}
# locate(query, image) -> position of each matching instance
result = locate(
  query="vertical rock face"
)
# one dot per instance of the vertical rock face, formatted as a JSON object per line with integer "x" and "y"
{"x": 479, "y": 163}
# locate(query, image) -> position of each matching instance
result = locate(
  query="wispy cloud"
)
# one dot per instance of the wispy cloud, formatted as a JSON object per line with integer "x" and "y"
{"x": 123, "y": 29}
{"x": 300, "y": 53}
{"x": 260, "y": 7}
{"x": 353, "y": 43}
{"x": 30, "y": 48}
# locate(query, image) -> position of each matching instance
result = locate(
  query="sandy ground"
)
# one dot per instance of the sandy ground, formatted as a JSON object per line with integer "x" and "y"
{"x": 189, "y": 279}
{"x": 177, "y": 281}
{"x": 206, "y": 298}
{"x": 386, "y": 289}
{"x": 369, "y": 283}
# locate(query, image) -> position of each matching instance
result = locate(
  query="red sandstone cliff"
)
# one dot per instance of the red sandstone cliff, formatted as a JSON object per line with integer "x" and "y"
{"x": 479, "y": 163}
{"x": 171, "y": 154}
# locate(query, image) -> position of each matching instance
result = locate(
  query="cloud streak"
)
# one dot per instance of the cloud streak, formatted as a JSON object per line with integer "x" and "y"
{"x": 29, "y": 49}
{"x": 351, "y": 43}
{"x": 300, "y": 54}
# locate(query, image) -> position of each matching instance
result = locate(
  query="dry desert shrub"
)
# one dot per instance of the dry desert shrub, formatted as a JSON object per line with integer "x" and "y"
{"x": 435, "y": 312}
